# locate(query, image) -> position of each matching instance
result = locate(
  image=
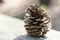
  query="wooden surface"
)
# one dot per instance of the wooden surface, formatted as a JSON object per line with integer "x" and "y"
{"x": 13, "y": 29}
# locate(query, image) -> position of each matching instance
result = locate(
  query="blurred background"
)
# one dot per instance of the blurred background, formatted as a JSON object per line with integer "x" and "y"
{"x": 16, "y": 8}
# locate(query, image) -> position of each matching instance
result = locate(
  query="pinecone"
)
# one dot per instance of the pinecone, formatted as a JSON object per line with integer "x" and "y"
{"x": 37, "y": 22}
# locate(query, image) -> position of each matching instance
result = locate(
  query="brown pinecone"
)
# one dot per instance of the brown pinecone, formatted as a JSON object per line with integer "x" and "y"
{"x": 37, "y": 22}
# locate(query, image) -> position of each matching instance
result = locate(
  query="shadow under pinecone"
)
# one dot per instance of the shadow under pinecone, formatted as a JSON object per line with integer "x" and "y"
{"x": 27, "y": 37}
